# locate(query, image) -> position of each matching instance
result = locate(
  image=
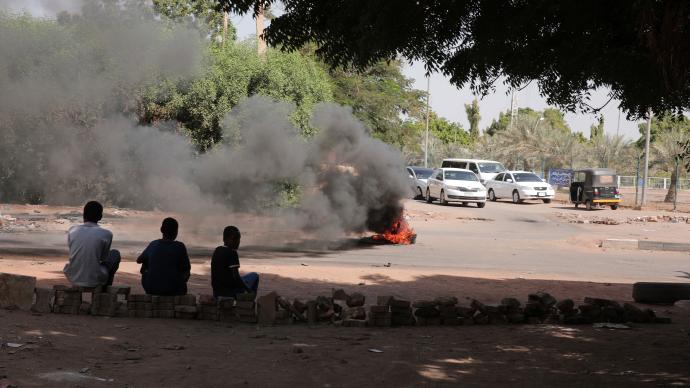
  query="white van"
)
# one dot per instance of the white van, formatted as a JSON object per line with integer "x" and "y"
{"x": 485, "y": 169}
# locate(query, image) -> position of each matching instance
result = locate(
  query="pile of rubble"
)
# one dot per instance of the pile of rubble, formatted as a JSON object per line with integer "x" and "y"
{"x": 581, "y": 219}
{"x": 340, "y": 308}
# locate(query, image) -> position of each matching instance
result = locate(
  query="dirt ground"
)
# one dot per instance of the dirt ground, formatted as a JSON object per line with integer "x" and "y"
{"x": 487, "y": 254}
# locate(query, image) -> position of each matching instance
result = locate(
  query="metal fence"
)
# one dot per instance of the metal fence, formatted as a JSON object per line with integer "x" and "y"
{"x": 653, "y": 182}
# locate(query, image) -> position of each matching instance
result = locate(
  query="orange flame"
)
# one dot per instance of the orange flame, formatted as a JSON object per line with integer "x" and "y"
{"x": 399, "y": 233}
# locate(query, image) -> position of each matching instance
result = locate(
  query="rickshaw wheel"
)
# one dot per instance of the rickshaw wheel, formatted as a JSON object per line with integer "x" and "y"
{"x": 614, "y": 207}
{"x": 577, "y": 204}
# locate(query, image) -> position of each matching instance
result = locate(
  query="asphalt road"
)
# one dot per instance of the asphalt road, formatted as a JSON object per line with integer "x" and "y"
{"x": 530, "y": 240}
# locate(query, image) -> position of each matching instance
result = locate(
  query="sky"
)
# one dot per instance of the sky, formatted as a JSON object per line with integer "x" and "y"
{"x": 446, "y": 100}
{"x": 449, "y": 101}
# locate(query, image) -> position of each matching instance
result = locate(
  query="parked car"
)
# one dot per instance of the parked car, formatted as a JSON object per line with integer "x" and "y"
{"x": 455, "y": 185}
{"x": 594, "y": 187}
{"x": 418, "y": 178}
{"x": 519, "y": 185}
{"x": 485, "y": 169}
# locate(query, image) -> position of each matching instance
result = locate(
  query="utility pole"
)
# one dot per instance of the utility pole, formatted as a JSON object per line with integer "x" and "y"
{"x": 426, "y": 142}
{"x": 225, "y": 27}
{"x": 646, "y": 156}
{"x": 513, "y": 108}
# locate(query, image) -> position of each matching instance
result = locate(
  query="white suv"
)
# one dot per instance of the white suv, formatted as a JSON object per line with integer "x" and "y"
{"x": 485, "y": 169}
{"x": 455, "y": 185}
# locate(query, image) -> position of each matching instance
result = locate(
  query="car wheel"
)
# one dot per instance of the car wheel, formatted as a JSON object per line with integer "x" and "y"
{"x": 442, "y": 200}
{"x": 492, "y": 195}
{"x": 588, "y": 205}
{"x": 614, "y": 207}
{"x": 481, "y": 204}
{"x": 547, "y": 200}
{"x": 516, "y": 197}
{"x": 428, "y": 196}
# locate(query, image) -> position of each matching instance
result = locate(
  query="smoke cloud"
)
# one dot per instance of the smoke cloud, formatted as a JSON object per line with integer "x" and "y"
{"x": 65, "y": 139}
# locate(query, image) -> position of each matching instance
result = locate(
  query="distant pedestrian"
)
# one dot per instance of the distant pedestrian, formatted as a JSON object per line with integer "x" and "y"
{"x": 91, "y": 261}
{"x": 165, "y": 266}
{"x": 225, "y": 265}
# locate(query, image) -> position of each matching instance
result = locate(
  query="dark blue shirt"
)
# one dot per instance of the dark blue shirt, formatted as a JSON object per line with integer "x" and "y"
{"x": 225, "y": 275}
{"x": 165, "y": 268}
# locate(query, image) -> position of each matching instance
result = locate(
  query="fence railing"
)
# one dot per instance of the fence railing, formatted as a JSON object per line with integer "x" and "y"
{"x": 653, "y": 182}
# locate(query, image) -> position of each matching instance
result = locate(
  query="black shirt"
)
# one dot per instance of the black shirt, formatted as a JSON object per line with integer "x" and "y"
{"x": 165, "y": 268}
{"x": 225, "y": 275}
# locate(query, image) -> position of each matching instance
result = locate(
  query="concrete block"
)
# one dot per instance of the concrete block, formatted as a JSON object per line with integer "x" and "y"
{"x": 267, "y": 307}
{"x": 650, "y": 245}
{"x": 676, "y": 247}
{"x": 620, "y": 243}
{"x": 17, "y": 291}
{"x": 44, "y": 300}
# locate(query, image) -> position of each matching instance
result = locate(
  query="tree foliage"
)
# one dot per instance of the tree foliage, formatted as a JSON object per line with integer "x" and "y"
{"x": 638, "y": 49}
{"x": 473, "y": 116}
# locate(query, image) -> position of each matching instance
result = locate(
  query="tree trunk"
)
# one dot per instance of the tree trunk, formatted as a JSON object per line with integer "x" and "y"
{"x": 671, "y": 194}
{"x": 260, "y": 42}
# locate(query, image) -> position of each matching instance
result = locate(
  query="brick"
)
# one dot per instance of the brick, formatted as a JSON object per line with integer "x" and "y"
{"x": 424, "y": 304}
{"x": 17, "y": 291}
{"x": 118, "y": 290}
{"x": 139, "y": 298}
{"x": 246, "y": 297}
{"x": 355, "y": 300}
{"x": 312, "y": 313}
{"x": 226, "y": 303}
{"x": 397, "y": 303}
{"x": 384, "y": 300}
{"x": 163, "y": 306}
{"x": 245, "y": 304}
{"x": 186, "y": 309}
{"x": 85, "y": 308}
{"x": 208, "y": 309}
{"x": 355, "y": 313}
{"x": 185, "y": 300}
{"x": 158, "y": 299}
{"x": 422, "y": 321}
{"x": 379, "y": 309}
{"x": 354, "y": 323}
{"x": 266, "y": 308}
{"x": 446, "y": 301}
{"x": 44, "y": 300}
{"x": 208, "y": 316}
{"x": 66, "y": 309}
{"x": 339, "y": 294}
{"x": 207, "y": 300}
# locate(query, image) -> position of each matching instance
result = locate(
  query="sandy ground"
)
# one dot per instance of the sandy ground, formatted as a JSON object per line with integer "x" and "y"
{"x": 501, "y": 250}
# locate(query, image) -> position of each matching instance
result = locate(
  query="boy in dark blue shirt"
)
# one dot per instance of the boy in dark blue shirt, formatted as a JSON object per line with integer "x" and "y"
{"x": 225, "y": 263}
{"x": 165, "y": 266}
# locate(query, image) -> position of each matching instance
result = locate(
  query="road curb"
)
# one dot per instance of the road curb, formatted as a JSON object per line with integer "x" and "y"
{"x": 645, "y": 245}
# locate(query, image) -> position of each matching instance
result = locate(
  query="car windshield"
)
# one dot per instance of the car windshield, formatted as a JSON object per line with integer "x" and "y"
{"x": 491, "y": 167}
{"x": 423, "y": 173}
{"x": 460, "y": 176}
{"x": 526, "y": 177}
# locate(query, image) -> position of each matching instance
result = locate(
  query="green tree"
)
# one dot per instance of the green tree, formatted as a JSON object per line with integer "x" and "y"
{"x": 670, "y": 144}
{"x": 568, "y": 47}
{"x": 381, "y": 97}
{"x": 203, "y": 15}
{"x": 473, "y": 116}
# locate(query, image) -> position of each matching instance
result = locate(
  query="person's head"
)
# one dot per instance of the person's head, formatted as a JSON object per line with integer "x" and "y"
{"x": 231, "y": 237}
{"x": 93, "y": 212}
{"x": 169, "y": 229}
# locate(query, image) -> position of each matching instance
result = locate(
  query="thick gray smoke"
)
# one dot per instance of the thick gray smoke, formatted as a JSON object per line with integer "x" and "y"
{"x": 64, "y": 140}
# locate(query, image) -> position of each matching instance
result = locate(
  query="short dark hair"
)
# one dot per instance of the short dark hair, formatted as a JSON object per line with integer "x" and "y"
{"x": 231, "y": 232}
{"x": 169, "y": 227}
{"x": 93, "y": 211}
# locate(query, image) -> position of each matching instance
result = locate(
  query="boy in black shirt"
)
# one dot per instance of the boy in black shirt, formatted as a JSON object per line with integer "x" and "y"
{"x": 225, "y": 264}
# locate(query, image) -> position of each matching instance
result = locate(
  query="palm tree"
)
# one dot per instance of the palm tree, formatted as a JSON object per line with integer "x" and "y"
{"x": 671, "y": 147}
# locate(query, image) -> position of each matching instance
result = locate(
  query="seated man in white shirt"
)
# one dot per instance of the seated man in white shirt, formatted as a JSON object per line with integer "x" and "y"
{"x": 91, "y": 261}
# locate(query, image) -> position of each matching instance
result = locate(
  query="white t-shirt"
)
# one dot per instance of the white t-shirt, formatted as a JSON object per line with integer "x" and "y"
{"x": 89, "y": 245}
